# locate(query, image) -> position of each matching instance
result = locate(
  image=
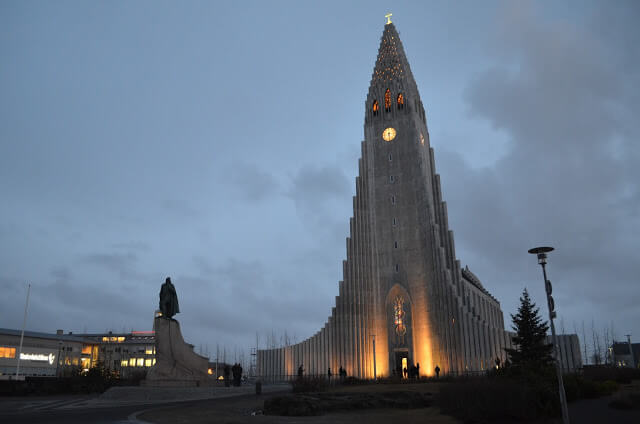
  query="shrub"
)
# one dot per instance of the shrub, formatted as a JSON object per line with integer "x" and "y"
{"x": 577, "y": 387}
{"x": 495, "y": 399}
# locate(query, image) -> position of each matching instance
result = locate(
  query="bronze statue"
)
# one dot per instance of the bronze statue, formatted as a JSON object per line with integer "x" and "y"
{"x": 168, "y": 299}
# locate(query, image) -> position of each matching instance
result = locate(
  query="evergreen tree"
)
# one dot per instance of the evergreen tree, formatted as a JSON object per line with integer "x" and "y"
{"x": 530, "y": 348}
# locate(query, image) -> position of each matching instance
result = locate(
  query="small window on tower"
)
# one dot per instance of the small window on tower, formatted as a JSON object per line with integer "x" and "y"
{"x": 394, "y": 222}
{"x": 395, "y": 244}
{"x": 400, "y": 101}
{"x": 397, "y": 268}
{"x": 393, "y": 200}
{"x": 375, "y": 108}
{"x": 387, "y": 100}
{"x": 391, "y": 179}
{"x": 390, "y": 157}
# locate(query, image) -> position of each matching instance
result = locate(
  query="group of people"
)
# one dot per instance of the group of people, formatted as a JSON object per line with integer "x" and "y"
{"x": 236, "y": 370}
{"x": 342, "y": 372}
{"x": 412, "y": 372}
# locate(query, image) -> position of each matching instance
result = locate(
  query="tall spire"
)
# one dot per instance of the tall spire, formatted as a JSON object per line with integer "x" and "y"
{"x": 392, "y": 64}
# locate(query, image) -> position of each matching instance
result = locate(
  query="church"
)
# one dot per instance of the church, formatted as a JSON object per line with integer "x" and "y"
{"x": 404, "y": 298}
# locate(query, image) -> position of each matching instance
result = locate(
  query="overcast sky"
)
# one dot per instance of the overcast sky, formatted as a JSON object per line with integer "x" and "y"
{"x": 217, "y": 143}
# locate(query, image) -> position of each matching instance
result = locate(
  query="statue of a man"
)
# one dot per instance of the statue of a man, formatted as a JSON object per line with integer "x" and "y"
{"x": 168, "y": 299}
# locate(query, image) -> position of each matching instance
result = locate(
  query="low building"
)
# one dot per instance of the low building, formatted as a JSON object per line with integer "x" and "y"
{"x": 44, "y": 354}
{"x": 124, "y": 353}
{"x": 60, "y": 354}
{"x": 625, "y": 354}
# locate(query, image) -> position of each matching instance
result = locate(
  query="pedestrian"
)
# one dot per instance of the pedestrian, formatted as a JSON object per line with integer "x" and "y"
{"x": 437, "y": 371}
{"x": 227, "y": 375}
{"x": 300, "y": 371}
{"x": 405, "y": 372}
{"x": 418, "y": 370}
{"x": 329, "y": 374}
{"x": 239, "y": 376}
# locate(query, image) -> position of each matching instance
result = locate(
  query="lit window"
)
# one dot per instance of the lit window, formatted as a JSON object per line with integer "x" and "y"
{"x": 154, "y": 361}
{"x": 375, "y": 108}
{"x": 149, "y": 350}
{"x": 113, "y": 339}
{"x": 105, "y": 339}
{"x": 210, "y": 371}
{"x": 140, "y": 362}
{"x": 67, "y": 360}
{"x": 147, "y": 362}
{"x": 421, "y": 138}
{"x": 7, "y": 352}
{"x": 400, "y": 101}
{"x": 120, "y": 339}
{"x": 387, "y": 100}
{"x": 398, "y": 318}
{"x": 132, "y": 362}
{"x": 75, "y": 361}
{"x": 124, "y": 363}
{"x": 86, "y": 350}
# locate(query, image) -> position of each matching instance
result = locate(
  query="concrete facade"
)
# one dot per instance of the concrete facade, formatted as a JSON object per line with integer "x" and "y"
{"x": 402, "y": 282}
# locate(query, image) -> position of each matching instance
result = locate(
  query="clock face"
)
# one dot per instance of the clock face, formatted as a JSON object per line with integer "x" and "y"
{"x": 389, "y": 134}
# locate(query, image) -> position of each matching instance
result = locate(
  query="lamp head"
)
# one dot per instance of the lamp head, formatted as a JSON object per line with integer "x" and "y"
{"x": 541, "y": 252}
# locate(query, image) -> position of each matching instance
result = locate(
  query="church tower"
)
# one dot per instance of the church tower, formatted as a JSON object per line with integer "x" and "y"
{"x": 404, "y": 299}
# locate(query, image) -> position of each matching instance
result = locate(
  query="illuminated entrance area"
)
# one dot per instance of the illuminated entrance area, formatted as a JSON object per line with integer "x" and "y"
{"x": 401, "y": 362}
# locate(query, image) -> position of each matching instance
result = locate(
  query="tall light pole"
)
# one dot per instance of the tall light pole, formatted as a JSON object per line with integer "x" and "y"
{"x": 541, "y": 252}
{"x": 375, "y": 377}
{"x": 24, "y": 322}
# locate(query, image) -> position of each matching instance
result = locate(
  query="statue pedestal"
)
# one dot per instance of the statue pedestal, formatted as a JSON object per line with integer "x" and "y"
{"x": 177, "y": 365}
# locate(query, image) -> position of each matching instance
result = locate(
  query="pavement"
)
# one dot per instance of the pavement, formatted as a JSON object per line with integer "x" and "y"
{"x": 114, "y": 406}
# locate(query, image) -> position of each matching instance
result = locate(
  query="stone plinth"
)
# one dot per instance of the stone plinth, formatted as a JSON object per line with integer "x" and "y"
{"x": 177, "y": 365}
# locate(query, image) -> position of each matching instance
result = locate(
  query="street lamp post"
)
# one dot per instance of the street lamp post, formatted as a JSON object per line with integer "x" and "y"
{"x": 375, "y": 376}
{"x": 541, "y": 252}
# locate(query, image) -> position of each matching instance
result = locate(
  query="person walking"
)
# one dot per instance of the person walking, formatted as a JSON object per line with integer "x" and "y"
{"x": 437, "y": 371}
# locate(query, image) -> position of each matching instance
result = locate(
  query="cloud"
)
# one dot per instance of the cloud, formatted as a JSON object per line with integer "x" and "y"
{"x": 253, "y": 183}
{"x": 122, "y": 264}
{"x": 563, "y": 94}
{"x": 319, "y": 194}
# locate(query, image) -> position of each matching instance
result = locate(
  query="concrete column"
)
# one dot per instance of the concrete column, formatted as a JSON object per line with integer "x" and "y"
{"x": 313, "y": 354}
{"x": 340, "y": 325}
{"x": 348, "y": 284}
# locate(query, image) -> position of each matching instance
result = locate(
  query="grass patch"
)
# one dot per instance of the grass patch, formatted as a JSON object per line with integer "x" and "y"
{"x": 309, "y": 384}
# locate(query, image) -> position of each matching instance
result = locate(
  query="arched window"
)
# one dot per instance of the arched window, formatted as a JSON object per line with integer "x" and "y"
{"x": 375, "y": 108}
{"x": 387, "y": 100}
{"x": 400, "y": 101}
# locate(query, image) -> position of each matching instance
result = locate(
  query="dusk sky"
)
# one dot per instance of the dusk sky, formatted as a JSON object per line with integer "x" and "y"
{"x": 217, "y": 143}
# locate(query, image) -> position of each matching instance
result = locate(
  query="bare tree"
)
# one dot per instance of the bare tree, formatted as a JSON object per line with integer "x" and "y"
{"x": 607, "y": 355}
{"x": 597, "y": 355}
{"x": 584, "y": 344}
